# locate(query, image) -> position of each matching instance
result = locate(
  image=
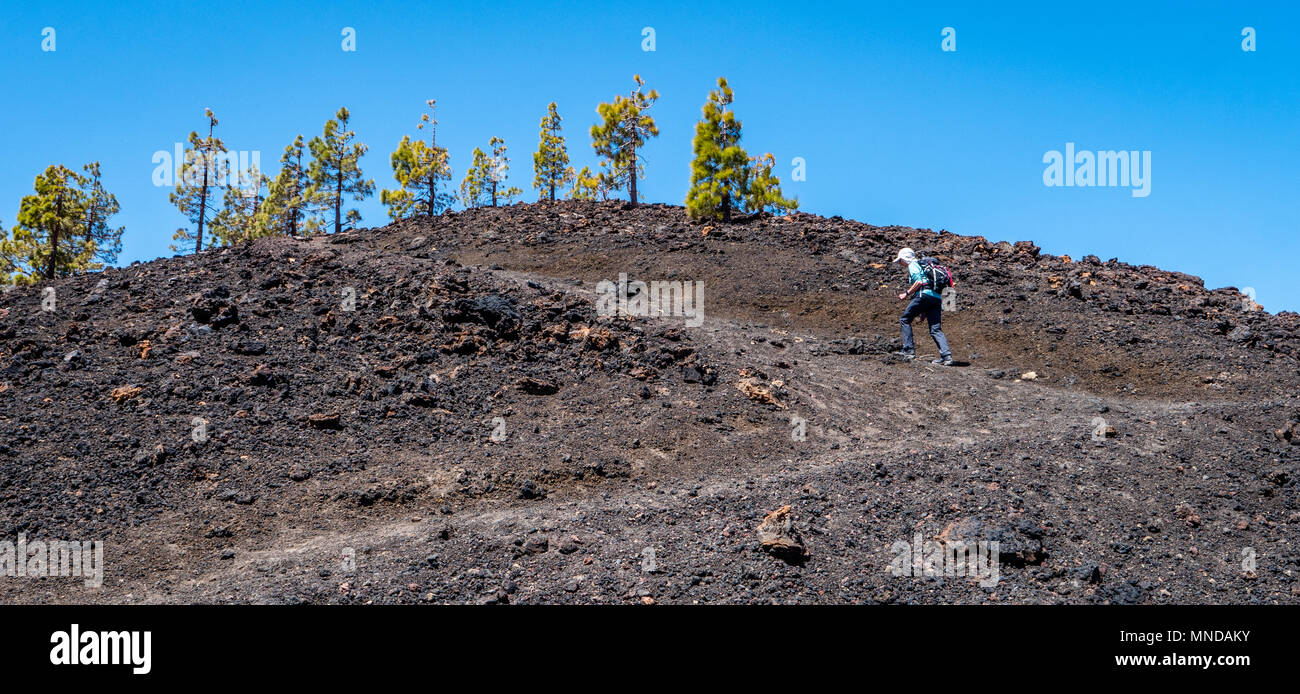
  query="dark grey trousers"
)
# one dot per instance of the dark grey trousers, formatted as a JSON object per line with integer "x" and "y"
{"x": 932, "y": 308}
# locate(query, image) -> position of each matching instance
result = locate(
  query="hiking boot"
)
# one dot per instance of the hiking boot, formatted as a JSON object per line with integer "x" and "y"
{"x": 943, "y": 361}
{"x": 909, "y": 356}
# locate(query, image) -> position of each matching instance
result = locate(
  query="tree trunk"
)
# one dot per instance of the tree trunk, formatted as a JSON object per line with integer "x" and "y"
{"x": 54, "y": 249}
{"x": 257, "y": 209}
{"x": 203, "y": 205}
{"x": 54, "y": 237}
{"x": 90, "y": 221}
{"x": 338, "y": 202}
{"x": 92, "y": 210}
{"x": 295, "y": 209}
{"x": 631, "y": 179}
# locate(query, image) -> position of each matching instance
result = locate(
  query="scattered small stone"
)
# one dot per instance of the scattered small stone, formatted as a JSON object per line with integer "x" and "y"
{"x": 537, "y": 545}
{"x": 537, "y": 386}
{"x": 531, "y": 490}
{"x": 325, "y": 421}
{"x": 778, "y": 536}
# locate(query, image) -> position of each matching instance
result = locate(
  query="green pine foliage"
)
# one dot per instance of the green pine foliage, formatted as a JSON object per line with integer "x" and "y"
{"x": 720, "y": 166}
{"x": 474, "y": 187}
{"x": 63, "y": 228}
{"x": 100, "y": 206}
{"x": 724, "y": 178}
{"x": 624, "y": 128}
{"x": 419, "y": 169}
{"x": 335, "y": 173}
{"x": 763, "y": 193}
{"x": 197, "y": 178}
{"x": 484, "y": 182}
{"x": 551, "y": 160}
{"x": 590, "y": 186}
{"x": 498, "y": 173}
{"x": 240, "y": 218}
{"x": 288, "y": 196}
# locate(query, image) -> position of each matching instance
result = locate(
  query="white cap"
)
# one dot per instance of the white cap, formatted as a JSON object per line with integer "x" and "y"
{"x": 906, "y": 254}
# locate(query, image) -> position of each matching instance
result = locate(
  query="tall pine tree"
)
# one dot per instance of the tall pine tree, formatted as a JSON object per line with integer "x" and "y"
{"x": 240, "y": 218}
{"x": 724, "y": 178}
{"x": 589, "y": 186}
{"x": 498, "y": 173}
{"x": 419, "y": 168}
{"x": 623, "y": 130}
{"x": 100, "y": 205}
{"x": 335, "y": 171}
{"x": 47, "y": 224}
{"x": 8, "y": 259}
{"x": 197, "y": 177}
{"x": 288, "y": 196}
{"x": 551, "y": 160}
{"x": 63, "y": 228}
{"x": 474, "y": 187}
{"x": 763, "y": 193}
{"x": 719, "y": 169}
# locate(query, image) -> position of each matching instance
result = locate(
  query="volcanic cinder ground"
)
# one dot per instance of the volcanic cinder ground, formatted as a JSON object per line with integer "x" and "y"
{"x": 434, "y": 412}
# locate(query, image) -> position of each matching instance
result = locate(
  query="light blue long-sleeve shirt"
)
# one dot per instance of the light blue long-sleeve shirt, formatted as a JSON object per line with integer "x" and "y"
{"x": 916, "y": 274}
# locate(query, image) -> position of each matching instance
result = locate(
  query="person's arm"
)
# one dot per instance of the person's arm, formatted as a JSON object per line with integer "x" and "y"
{"x": 916, "y": 286}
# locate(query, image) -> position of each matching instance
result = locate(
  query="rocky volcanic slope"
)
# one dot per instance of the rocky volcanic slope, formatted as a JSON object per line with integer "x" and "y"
{"x": 434, "y": 412}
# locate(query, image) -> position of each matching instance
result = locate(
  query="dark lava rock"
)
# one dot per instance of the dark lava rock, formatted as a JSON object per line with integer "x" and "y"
{"x": 537, "y": 386}
{"x": 1020, "y": 542}
{"x": 150, "y": 456}
{"x": 494, "y": 311}
{"x": 250, "y": 347}
{"x": 531, "y": 490}
{"x": 1129, "y": 592}
{"x": 1241, "y": 334}
{"x": 1088, "y": 573}
{"x": 537, "y": 545}
{"x": 213, "y": 308}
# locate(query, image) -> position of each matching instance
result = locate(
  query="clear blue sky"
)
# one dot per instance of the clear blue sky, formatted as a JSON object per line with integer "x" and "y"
{"x": 893, "y": 129}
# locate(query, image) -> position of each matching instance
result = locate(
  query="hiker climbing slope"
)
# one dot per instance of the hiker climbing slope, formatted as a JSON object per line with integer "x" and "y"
{"x": 926, "y": 284}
